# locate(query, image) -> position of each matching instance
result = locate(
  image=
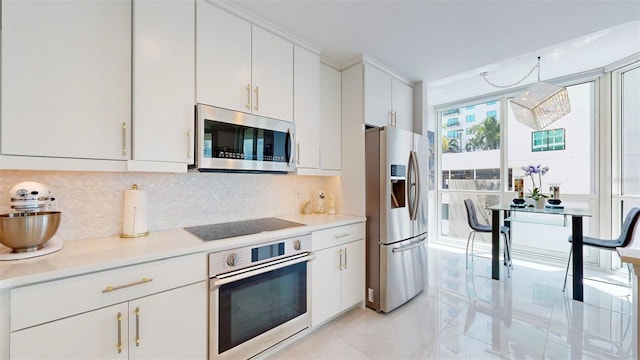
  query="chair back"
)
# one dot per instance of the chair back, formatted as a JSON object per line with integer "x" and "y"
{"x": 471, "y": 215}
{"x": 628, "y": 226}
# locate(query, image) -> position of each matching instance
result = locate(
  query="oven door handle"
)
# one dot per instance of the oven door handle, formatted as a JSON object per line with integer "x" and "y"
{"x": 220, "y": 280}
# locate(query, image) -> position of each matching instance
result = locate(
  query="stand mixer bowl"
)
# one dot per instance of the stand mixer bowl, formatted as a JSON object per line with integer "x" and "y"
{"x": 28, "y": 231}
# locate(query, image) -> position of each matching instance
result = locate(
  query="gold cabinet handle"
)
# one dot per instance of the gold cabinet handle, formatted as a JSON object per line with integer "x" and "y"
{"x": 395, "y": 119}
{"x": 119, "y": 332}
{"x": 340, "y": 266}
{"x": 111, "y": 288}
{"x": 124, "y": 138}
{"x": 342, "y": 235}
{"x": 137, "y": 326}
{"x": 298, "y": 153}
{"x": 257, "y": 91}
{"x": 189, "y": 144}
{"x": 248, "y": 88}
{"x": 345, "y": 259}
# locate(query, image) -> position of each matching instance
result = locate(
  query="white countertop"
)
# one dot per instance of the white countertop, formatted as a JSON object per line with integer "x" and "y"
{"x": 84, "y": 256}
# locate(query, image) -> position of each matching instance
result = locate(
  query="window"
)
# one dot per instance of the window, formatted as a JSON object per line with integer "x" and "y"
{"x": 471, "y": 118}
{"x": 445, "y": 211}
{"x": 471, "y": 107}
{"x": 548, "y": 140}
{"x": 576, "y": 165}
{"x": 453, "y": 134}
{"x": 492, "y": 103}
{"x": 491, "y": 113}
{"x": 451, "y": 111}
{"x": 452, "y": 121}
{"x": 470, "y": 148}
{"x": 630, "y": 113}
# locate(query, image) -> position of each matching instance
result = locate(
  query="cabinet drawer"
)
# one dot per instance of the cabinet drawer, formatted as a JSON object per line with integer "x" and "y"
{"x": 327, "y": 238}
{"x": 36, "y": 304}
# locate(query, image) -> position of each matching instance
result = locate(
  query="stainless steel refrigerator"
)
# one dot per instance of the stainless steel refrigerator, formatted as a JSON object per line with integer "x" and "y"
{"x": 396, "y": 164}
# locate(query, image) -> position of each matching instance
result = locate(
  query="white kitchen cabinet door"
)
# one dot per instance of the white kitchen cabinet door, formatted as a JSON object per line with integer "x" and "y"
{"x": 170, "y": 325}
{"x": 92, "y": 335}
{"x": 66, "y": 79}
{"x": 272, "y": 75}
{"x": 402, "y": 103}
{"x": 306, "y": 108}
{"x": 223, "y": 54}
{"x": 164, "y": 80}
{"x": 325, "y": 285}
{"x": 353, "y": 280}
{"x": 377, "y": 97}
{"x": 330, "y": 118}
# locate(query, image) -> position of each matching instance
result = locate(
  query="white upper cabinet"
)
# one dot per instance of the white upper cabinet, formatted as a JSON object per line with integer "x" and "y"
{"x": 223, "y": 53}
{"x": 377, "y": 101}
{"x": 164, "y": 80}
{"x": 306, "y": 108}
{"x": 402, "y": 103}
{"x": 66, "y": 79}
{"x": 330, "y": 118}
{"x": 388, "y": 101}
{"x": 272, "y": 75}
{"x": 241, "y": 66}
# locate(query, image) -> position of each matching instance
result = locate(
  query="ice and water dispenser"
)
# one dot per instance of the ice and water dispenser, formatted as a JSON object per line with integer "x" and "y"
{"x": 398, "y": 185}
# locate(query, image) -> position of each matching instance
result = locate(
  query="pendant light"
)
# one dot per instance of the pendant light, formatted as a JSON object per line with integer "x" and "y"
{"x": 540, "y": 104}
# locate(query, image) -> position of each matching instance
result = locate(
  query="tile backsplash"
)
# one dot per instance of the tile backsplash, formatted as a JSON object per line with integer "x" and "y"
{"x": 92, "y": 202}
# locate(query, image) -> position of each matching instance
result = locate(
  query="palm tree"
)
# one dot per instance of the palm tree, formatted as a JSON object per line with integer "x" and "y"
{"x": 453, "y": 146}
{"x": 487, "y": 134}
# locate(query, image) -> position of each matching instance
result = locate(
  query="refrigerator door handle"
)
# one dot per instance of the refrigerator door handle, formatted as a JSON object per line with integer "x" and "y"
{"x": 414, "y": 185}
{"x": 410, "y": 246}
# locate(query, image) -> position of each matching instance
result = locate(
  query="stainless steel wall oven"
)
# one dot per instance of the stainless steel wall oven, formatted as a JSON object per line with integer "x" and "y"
{"x": 259, "y": 296}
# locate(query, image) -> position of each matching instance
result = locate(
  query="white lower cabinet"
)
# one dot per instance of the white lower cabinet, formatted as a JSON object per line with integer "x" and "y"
{"x": 161, "y": 316}
{"x": 337, "y": 272}
{"x": 168, "y": 325}
{"x": 87, "y": 336}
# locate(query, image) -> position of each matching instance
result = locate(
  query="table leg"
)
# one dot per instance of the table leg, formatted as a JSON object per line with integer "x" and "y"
{"x": 495, "y": 244}
{"x": 576, "y": 233}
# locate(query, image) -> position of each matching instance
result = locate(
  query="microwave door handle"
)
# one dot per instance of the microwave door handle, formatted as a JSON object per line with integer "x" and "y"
{"x": 290, "y": 142}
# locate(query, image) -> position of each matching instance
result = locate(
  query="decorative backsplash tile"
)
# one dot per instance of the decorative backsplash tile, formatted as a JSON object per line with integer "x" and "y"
{"x": 92, "y": 202}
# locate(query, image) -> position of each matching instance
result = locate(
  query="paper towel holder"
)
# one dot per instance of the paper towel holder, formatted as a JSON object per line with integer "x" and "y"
{"x": 135, "y": 212}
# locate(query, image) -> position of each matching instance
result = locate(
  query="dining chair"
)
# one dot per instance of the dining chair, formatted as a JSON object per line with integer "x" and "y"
{"x": 624, "y": 240}
{"x": 477, "y": 227}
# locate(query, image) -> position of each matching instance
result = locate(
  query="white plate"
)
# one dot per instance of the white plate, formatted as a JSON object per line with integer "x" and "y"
{"x": 49, "y": 247}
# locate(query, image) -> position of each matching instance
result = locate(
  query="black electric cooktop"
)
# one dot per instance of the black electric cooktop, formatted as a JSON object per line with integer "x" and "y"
{"x": 239, "y": 228}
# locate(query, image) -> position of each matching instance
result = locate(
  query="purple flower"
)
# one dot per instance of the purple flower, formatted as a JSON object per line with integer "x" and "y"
{"x": 540, "y": 170}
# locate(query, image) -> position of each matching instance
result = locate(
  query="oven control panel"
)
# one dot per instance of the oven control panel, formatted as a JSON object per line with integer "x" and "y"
{"x": 238, "y": 258}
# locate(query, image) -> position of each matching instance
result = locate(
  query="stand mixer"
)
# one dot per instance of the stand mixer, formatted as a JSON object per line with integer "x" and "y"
{"x": 27, "y": 231}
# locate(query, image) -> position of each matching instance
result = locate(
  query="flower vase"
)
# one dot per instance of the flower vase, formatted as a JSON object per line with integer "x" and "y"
{"x": 539, "y": 204}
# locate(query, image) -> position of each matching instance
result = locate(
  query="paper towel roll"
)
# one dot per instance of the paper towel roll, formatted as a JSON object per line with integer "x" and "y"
{"x": 135, "y": 215}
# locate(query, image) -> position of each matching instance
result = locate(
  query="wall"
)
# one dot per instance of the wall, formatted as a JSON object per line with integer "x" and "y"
{"x": 91, "y": 202}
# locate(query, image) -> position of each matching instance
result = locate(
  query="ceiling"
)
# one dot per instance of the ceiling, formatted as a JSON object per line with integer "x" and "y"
{"x": 447, "y": 43}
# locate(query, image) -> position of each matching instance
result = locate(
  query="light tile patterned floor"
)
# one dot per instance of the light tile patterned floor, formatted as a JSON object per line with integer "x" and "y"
{"x": 463, "y": 314}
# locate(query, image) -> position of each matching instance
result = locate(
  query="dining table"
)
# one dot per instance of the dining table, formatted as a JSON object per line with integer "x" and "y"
{"x": 510, "y": 211}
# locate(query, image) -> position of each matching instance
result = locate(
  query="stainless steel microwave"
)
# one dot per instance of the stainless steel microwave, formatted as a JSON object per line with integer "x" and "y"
{"x": 234, "y": 141}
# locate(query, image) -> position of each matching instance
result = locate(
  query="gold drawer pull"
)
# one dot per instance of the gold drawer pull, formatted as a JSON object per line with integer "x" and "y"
{"x": 342, "y": 235}
{"x": 111, "y": 288}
